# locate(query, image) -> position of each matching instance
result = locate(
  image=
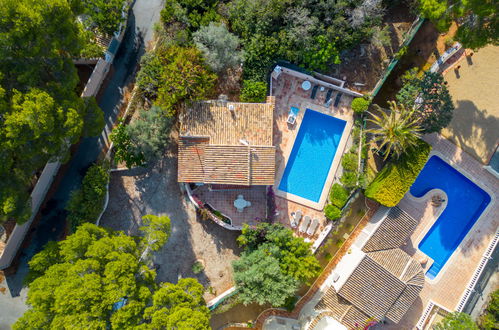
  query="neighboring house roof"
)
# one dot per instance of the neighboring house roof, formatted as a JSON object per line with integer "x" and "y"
{"x": 222, "y": 146}
{"x": 387, "y": 280}
{"x": 393, "y": 232}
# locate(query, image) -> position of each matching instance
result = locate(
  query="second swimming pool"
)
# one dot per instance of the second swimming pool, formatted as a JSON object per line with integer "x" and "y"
{"x": 312, "y": 155}
{"x": 466, "y": 202}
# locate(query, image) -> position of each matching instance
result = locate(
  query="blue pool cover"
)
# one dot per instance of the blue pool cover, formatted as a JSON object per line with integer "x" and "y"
{"x": 312, "y": 155}
{"x": 466, "y": 202}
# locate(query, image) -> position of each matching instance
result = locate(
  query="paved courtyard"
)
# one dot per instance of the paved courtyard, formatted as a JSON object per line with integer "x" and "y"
{"x": 223, "y": 200}
{"x": 154, "y": 190}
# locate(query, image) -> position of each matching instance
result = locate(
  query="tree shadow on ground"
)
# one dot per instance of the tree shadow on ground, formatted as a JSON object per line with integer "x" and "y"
{"x": 474, "y": 130}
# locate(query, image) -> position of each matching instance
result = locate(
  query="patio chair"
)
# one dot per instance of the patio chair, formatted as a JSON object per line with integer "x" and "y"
{"x": 314, "y": 92}
{"x": 304, "y": 224}
{"x": 293, "y": 113}
{"x": 295, "y": 218}
{"x": 327, "y": 100}
{"x": 337, "y": 100}
{"x": 313, "y": 227}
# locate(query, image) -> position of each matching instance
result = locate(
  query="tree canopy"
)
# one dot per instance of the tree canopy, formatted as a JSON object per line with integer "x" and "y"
{"x": 219, "y": 47}
{"x": 478, "y": 22}
{"x": 104, "y": 15}
{"x": 40, "y": 109}
{"x": 293, "y": 256}
{"x": 395, "y": 130}
{"x": 308, "y": 33}
{"x": 96, "y": 278}
{"x": 456, "y": 321}
{"x": 173, "y": 75}
{"x": 87, "y": 203}
{"x": 430, "y": 98}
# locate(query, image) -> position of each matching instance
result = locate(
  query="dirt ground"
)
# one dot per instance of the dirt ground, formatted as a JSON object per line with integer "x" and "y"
{"x": 475, "y": 124}
{"x": 366, "y": 63}
{"x": 154, "y": 190}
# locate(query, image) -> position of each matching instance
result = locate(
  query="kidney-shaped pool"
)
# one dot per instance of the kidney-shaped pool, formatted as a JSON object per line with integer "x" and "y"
{"x": 466, "y": 202}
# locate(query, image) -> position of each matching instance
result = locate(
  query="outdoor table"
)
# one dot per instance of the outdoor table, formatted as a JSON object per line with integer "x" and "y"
{"x": 306, "y": 85}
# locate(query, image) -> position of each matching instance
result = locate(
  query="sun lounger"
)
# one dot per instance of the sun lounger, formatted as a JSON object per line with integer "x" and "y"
{"x": 328, "y": 97}
{"x": 293, "y": 113}
{"x": 295, "y": 219}
{"x": 337, "y": 100}
{"x": 314, "y": 92}
{"x": 313, "y": 227}
{"x": 304, "y": 224}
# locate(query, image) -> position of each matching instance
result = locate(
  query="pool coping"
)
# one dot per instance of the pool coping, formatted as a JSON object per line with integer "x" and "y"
{"x": 432, "y": 223}
{"x": 332, "y": 169}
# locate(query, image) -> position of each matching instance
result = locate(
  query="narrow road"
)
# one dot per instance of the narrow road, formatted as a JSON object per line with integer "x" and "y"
{"x": 143, "y": 15}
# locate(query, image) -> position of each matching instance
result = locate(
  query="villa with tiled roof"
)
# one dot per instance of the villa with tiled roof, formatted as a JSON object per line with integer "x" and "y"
{"x": 227, "y": 143}
{"x": 378, "y": 281}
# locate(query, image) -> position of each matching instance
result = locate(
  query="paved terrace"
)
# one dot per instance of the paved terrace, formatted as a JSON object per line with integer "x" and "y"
{"x": 223, "y": 200}
{"x": 449, "y": 287}
{"x": 288, "y": 93}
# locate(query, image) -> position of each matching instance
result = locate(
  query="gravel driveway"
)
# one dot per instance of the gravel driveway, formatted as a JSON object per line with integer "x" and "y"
{"x": 155, "y": 190}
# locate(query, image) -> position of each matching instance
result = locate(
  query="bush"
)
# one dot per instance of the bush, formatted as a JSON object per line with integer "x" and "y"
{"x": 332, "y": 212}
{"x": 85, "y": 204}
{"x": 197, "y": 267}
{"x": 253, "y": 91}
{"x": 349, "y": 179}
{"x": 219, "y": 47}
{"x": 395, "y": 179}
{"x": 338, "y": 195}
{"x": 359, "y": 104}
{"x": 339, "y": 242}
{"x": 349, "y": 162}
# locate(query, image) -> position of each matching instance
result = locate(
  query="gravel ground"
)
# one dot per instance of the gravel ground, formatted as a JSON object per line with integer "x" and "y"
{"x": 154, "y": 190}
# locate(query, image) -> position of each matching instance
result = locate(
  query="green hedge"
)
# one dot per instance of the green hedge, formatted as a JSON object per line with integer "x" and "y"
{"x": 338, "y": 195}
{"x": 395, "y": 179}
{"x": 332, "y": 212}
{"x": 86, "y": 203}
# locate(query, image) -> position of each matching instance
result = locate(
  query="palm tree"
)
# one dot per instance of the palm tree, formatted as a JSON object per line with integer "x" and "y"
{"x": 397, "y": 129}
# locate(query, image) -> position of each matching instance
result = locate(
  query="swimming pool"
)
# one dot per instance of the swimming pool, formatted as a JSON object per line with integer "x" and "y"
{"x": 312, "y": 155}
{"x": 466, "y": 202}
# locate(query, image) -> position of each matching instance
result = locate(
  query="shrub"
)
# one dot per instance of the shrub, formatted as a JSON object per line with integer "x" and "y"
{"x": 338, "y": 195}
{"x": 349, "y": 179}
{"x": 85, "y": 204}
{"x": 332, "y": 212}
{"x": 197, "y": 267}
{"x": 349, "y": 162}
{"x": 339, "y": 242}
{"x": 395, "y": 179}
{"x": 360, "y": 104}
{"x": 219, "y": 47}
{"x": 253, "y": 91}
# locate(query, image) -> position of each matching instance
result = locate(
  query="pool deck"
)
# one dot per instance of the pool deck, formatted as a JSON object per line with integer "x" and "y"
{"x": 288, "y": 92}
{"x": 448, "y": 287}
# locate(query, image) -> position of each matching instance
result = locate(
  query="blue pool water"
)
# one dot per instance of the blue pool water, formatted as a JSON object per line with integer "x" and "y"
{"x": 466, "y": 202}
{"x": 312, "y": 155}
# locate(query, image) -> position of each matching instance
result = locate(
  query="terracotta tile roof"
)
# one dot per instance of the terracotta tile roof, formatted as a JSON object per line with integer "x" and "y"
{"x": 262, "y": 165}
{"x": 226, "y": 164}
{"x": 249, "y": 121}
{"x": 403, "y": 303}
{"x": 372, "y": 288}
{"x": 334, "y": 303}
{"x": 211, "y": 148}
{"x": 191, "y": 156}
{"x": 354, "y": 318}
{"x": 387, "y": 280}
{"x": 397, "y": 227}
